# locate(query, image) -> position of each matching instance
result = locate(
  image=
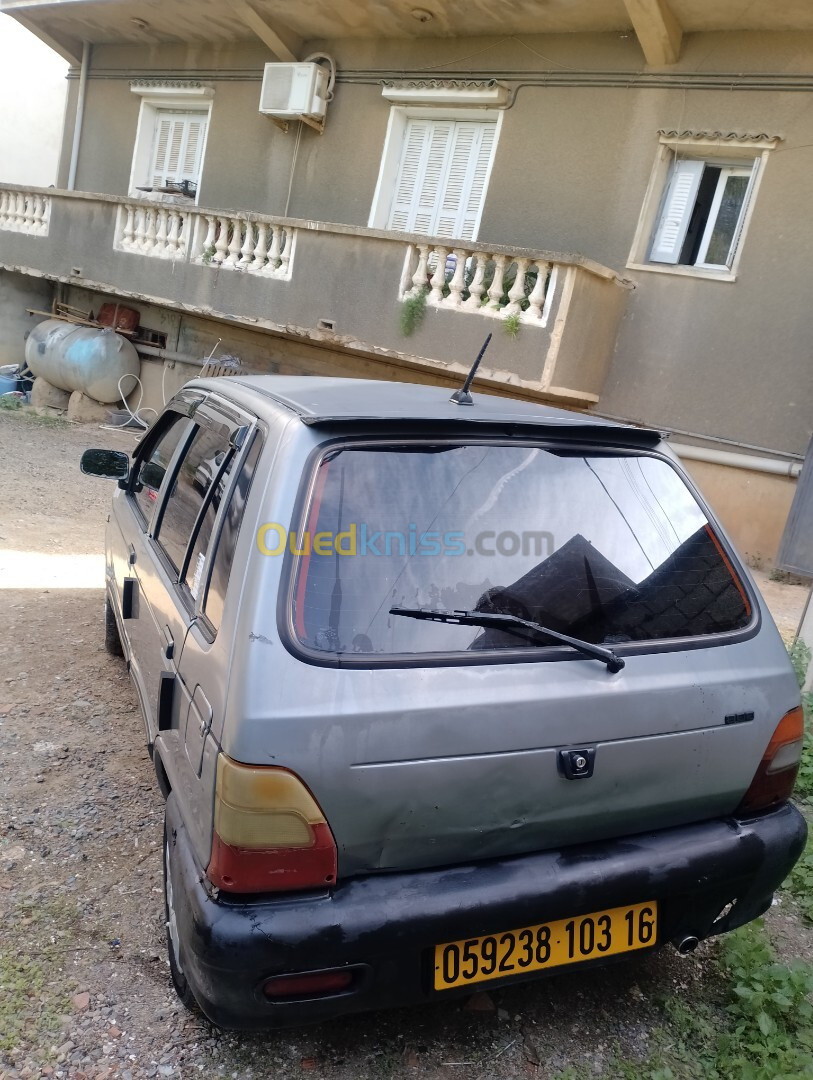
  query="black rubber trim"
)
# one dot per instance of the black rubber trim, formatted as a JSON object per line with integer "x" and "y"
{"x": 128, "y": 588}
{"x": 166, "y": 693}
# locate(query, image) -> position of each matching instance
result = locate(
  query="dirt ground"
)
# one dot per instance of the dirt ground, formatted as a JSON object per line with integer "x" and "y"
{"x": 84, "y": 984}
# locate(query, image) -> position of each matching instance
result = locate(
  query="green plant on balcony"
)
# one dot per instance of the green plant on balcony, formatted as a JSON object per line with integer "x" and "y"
{"x": 511, "y": 324}
{"x": 413, "y": 311}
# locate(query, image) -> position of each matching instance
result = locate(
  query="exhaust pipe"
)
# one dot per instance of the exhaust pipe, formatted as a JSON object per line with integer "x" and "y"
{"x": 687, "y": 945}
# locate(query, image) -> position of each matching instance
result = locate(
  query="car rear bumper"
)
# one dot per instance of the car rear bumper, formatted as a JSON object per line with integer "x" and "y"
{"x": 385, "y": 926}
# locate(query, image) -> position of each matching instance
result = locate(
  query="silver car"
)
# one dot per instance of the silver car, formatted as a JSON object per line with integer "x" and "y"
{"x": 440, "y": 696}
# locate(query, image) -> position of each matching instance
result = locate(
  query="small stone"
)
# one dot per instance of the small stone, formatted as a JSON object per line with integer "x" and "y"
{"x": 481, "y": 1002}
{"x": 308, "y": 1063}
{"x": 81, "y": 1001}
{"x": 531, "y": 1052}
{"x": 114, "y": 1032}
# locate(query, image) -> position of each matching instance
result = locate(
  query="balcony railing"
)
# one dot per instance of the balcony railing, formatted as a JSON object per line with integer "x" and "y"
{"x": 472, "y": 279}
{"x": 230, "y": 241}
{"x": 24, "y": 212}
{"x": 341, "y": 286}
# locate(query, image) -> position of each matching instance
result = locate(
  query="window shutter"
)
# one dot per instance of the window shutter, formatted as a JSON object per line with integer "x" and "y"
{"x": 176, "y": 139}
{"x": 179, "y": 139}
{"x": 411, "y": 168}
{"x": 430, "y": 185}
{"x": 678, "y": 205}
{"x": 465, "y": 187}
{"x": 162, "y": 136}
{"x": 442, "y": 176}
{"x": 190, "y": 169}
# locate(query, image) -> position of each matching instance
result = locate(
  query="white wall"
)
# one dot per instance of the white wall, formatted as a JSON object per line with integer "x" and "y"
{"x": 32, "y": 106}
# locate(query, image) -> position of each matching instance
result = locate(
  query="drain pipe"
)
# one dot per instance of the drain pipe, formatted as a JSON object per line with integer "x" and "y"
{"x": 774, "y": 466}
{"x": 168, "y": 354}
{"x": 80, "y": 113}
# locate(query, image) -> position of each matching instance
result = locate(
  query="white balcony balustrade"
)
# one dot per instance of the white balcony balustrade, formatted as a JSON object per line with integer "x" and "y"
{"x": 221, "y": 241}
{"x": 473, "y": 279}
{"x": 236, "y": 243}
{"x": 160, "y": 232}
{"x": 24, "y": 212}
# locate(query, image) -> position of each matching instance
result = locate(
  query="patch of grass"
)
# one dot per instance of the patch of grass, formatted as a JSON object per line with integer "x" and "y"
{"x": 511, "y": 324}
{"x": 761, "y": 1028}
{"x": 32, "y": 417}
{"x": 413, "y": 311}
{"x": 800, "y": 882}
{"x": 770, "y": 1015}
{"x": 804, "y": 779}
{"x": 800, "y": 658}
{"x": 10, "y": 403}
{"x": 33, "y": 998}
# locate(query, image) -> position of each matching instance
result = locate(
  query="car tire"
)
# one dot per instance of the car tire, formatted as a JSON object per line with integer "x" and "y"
{"x": 112, "y": 638}
{"x": 182, "y": 988}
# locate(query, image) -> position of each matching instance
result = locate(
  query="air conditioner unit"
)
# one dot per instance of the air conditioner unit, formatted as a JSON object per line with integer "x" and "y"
{"x": 291, "y": 91}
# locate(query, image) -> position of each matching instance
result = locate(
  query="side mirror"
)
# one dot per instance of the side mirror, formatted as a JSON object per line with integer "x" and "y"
{"x": 113, "y": 464}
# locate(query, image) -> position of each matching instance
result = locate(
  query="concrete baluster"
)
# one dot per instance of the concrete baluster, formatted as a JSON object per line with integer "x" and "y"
{"x": 536, "y": 299}
{"x": 517, "y": 292}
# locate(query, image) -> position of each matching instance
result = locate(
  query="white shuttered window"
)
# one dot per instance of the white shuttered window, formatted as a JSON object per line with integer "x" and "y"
{"x": 178, "y": 147}
{"x": 442, "y": 176}
{"x": 702, "y": 213}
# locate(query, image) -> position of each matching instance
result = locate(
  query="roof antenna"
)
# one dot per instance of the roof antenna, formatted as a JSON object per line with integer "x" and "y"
{"x": 462, "y": 396}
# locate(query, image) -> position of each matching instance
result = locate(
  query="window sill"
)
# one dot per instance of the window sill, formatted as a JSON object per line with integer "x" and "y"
{"x": 164, "y": 198}
{"x": 684, "y": 271}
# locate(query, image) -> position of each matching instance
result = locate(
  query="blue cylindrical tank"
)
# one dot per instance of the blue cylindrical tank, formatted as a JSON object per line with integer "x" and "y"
{"x": 82, "y": 358}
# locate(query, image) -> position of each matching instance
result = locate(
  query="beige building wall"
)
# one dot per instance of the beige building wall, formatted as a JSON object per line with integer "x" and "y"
{"x": 32, "y": 106}
{"x": 753, "y": 507}
{"x": 572, "y": 166}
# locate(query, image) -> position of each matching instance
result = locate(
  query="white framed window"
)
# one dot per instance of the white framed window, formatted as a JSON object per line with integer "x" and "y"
{"x": 698, "y": 204}
{"x": 170, "y": 145}
{"x": 177, "y": 147}
{"x": 435, "y": 170}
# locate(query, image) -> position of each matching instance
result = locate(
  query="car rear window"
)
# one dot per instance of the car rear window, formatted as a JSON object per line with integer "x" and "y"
{"x": 609, "y": 547}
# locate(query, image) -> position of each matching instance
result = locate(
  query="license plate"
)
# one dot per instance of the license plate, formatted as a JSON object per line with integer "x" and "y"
{"x": 547, "y": 945}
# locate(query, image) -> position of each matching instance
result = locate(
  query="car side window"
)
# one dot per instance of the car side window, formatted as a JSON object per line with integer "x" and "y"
{"x": 199, "y": 468}
{"x": 227, "y": 540}
{"x": 152, "y": 468}
{"x": 216, "y": 486}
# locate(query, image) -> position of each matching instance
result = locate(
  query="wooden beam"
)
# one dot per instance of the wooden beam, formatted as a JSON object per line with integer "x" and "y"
{"x": 67, "y": 47}
{"x": 658, "y": 31}
{"x": 283, "y": 44}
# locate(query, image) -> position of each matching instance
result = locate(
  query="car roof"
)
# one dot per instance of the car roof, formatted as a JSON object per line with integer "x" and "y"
{"x": 369, "y": 402}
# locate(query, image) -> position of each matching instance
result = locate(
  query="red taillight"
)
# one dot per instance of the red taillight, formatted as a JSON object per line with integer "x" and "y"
{"x": 269, "y": 833}
{"x": 307, "y": 985}
{"x": 774, "y": 779}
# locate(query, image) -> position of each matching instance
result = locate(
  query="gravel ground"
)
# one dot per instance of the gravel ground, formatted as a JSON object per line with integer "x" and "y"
{"x": 84, "y": 985}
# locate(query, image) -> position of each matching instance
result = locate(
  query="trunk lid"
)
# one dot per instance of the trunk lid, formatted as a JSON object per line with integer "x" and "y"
{"x": 433, "y": 743}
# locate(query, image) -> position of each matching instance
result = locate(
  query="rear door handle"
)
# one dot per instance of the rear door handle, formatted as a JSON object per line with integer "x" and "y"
{"x": 132, "y": 555}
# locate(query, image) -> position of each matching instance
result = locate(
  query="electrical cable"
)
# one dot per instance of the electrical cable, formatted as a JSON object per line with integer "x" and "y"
{"x": 135, "y": 414}
{"x": 315, "y": 58}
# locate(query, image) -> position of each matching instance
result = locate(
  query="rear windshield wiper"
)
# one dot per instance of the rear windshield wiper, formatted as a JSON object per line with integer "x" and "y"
{"x": 511, "y": 623}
